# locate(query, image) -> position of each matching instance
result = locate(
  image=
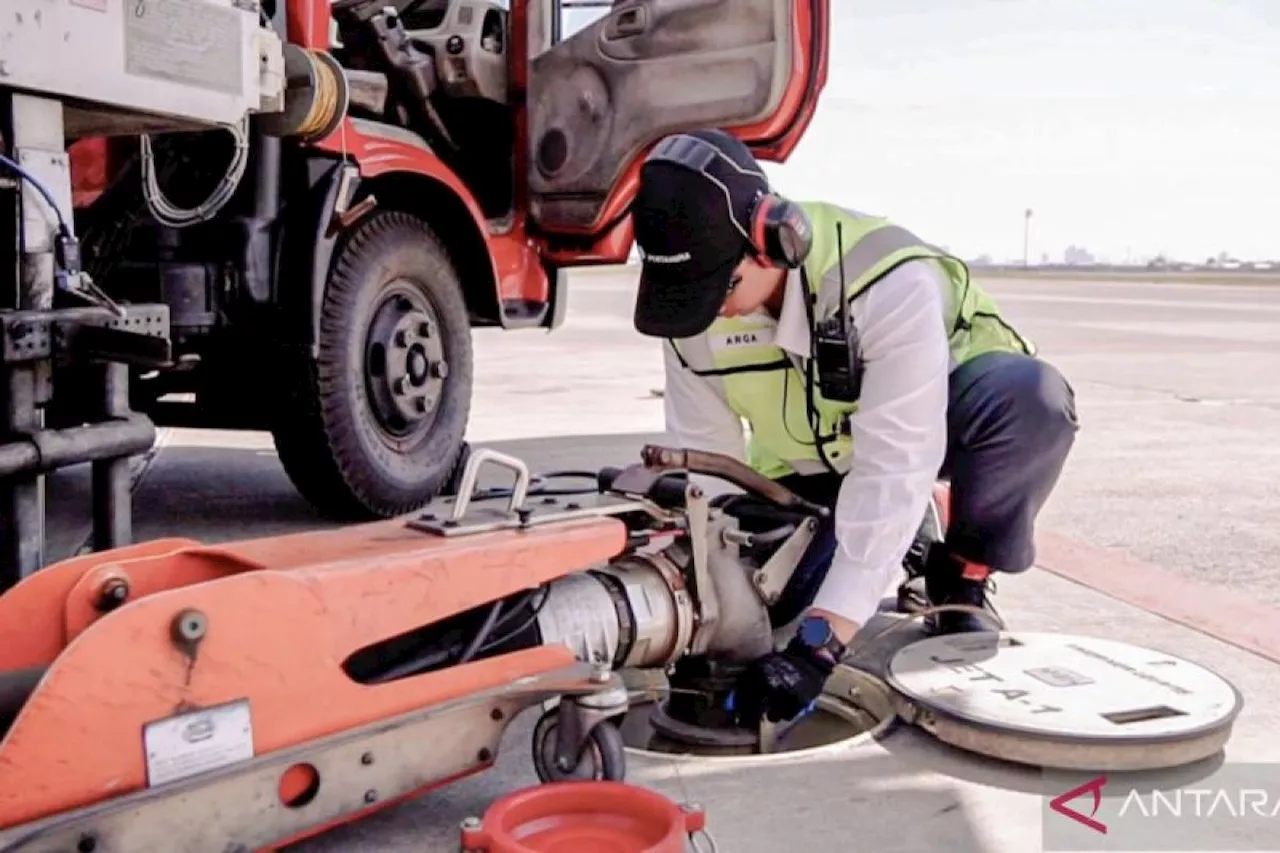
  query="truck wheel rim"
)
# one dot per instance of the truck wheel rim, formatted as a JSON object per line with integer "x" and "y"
{"x": 405, "y": 367}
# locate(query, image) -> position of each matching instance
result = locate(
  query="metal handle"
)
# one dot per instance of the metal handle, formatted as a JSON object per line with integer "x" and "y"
{"x": 627, "y": 23}
{"x": 663, "y": 459}
{"x": 470, "y": 473}
{"x": 695, "y": 842}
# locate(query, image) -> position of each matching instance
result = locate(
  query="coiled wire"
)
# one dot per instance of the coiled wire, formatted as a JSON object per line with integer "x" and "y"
{"x": 167, "y": 213}
{"x": 326, "y": 94}
{"x": 324, "y": 102}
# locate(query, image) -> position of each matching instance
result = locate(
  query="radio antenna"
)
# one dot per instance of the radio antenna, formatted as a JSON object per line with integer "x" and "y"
{"x": 844, "y": 302}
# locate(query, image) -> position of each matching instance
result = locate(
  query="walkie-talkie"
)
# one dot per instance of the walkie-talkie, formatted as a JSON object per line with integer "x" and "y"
{"x": 836, "y": 349}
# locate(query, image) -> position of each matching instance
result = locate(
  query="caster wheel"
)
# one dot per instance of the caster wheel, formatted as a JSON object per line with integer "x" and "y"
{"x": 604, "y": 757}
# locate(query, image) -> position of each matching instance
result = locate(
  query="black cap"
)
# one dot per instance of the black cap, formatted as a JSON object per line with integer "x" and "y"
{"x": 692, "y": 230}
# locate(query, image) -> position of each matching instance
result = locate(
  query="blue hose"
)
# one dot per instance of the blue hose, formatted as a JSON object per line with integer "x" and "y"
{"x": 40, "y": 188}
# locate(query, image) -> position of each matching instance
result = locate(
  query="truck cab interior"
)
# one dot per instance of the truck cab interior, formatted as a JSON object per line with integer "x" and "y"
{"x": 434, "y": 73}
{"x": 604, "y": 80}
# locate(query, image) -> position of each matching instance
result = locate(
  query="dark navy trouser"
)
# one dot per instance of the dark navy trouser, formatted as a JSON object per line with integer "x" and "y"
{"x": 1011, "y": 422}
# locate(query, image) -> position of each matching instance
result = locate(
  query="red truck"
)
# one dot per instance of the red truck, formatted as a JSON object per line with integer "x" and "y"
{"x": 456, "y": 157}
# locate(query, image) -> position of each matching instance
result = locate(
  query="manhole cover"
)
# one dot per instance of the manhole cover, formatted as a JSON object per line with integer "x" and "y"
{"x": 1065, "y": 701}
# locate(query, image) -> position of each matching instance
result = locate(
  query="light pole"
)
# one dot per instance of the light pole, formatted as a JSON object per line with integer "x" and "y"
{"x": 1026, "y": 238}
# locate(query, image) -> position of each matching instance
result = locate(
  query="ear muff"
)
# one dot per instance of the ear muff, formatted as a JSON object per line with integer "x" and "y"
{"x": 780, "y": 231}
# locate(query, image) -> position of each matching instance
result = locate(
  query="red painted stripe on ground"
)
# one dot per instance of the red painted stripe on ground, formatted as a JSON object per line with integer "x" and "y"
{"x": 1225, "y": 615}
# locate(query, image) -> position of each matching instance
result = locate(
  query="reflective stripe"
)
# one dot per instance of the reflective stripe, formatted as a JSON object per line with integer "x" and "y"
{"x": 862, "y": 258}
{"x": 703, "y": 361}
{"x": 695, "y": 353}
{"x": 696, "y": 356}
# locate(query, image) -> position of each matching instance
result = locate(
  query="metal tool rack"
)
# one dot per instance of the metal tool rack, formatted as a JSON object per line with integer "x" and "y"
{"x": 41, "y": 328}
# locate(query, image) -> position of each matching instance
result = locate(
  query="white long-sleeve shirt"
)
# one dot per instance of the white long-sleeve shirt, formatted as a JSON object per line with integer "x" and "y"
{"x": 899, "y": 429}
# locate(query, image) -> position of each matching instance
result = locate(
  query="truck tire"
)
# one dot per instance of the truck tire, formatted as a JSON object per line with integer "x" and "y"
{"x": 373, "y": 426}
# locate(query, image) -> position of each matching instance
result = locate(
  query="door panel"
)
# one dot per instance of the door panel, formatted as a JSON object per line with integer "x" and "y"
{"x": 600, "y": 98}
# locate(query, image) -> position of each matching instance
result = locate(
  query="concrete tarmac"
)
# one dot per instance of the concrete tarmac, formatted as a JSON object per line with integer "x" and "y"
{"x": 1179, "y": 395}
{"x": 1176, "y": 464}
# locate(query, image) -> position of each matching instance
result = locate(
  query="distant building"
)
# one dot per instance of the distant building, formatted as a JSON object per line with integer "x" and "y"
{"x": 1078, "y": 256}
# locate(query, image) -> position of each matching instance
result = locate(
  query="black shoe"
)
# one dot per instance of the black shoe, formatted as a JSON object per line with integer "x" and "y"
{"x": 944, "y": 585}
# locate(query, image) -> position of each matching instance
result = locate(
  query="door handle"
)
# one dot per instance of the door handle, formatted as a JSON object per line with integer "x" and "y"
{"x": 627, "y": 23}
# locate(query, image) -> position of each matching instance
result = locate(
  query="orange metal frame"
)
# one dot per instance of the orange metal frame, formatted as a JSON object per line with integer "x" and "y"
{"x": 282, "y": 614}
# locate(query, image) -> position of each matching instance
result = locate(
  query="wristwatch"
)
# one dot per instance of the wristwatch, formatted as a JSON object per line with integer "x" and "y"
{"x": 816, "y": 634}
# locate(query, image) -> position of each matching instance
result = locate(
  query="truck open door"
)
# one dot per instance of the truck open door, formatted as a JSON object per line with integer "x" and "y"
{"x": 598, "y": 99}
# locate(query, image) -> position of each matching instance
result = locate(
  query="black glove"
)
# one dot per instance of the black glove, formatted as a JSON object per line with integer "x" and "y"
{"x": 780, "y": 685}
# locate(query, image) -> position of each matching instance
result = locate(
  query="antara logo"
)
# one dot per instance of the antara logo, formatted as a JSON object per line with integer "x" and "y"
{"x": 741, "y": 339}
{"x": 1094, "y": 788}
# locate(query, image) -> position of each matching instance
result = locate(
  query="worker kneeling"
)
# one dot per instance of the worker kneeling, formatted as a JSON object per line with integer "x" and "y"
{"x": 867, "y": 365}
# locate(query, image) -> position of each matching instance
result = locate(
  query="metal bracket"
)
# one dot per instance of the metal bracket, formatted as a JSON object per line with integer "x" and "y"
{"x": 771, "y": 579}
{"x": 469, "y": 515}
{"x": 704, "y": 595}
{"x": 140, "y": 336}
{"x": 636, "y": 480}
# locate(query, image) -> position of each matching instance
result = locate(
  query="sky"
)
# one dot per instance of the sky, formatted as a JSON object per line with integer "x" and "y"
{"x": 1128, "y": 127}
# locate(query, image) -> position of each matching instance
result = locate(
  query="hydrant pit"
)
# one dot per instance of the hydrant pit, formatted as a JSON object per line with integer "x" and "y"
{"x": 855, "y": 707}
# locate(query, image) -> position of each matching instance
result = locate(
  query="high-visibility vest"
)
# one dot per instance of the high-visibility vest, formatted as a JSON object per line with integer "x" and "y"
{"x": 766, "y": 386}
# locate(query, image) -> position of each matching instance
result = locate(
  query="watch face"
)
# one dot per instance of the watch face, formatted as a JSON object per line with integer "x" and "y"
{"x": 815, "y": 632}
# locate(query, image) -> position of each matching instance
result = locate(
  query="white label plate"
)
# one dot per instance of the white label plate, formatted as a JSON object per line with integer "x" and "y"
{"x": 198, "y": 741}
{"x": 1063, "y": 686}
